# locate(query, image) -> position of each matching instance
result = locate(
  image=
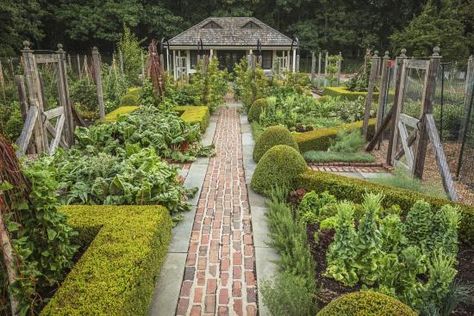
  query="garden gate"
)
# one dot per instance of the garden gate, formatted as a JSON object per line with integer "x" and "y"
{"x": 38, "y": 121}
{"x": 413, "y": 133}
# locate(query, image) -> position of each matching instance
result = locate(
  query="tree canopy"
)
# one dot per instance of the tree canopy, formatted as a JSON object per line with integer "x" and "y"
{"x": 349, "y": 26}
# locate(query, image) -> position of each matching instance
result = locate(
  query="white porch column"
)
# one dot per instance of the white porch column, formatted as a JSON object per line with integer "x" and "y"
{"x": 211, "y": 53}
{"x": 175, "y": 74}
{"x": 188, "y": 62}
{"x": 294, "y": 60}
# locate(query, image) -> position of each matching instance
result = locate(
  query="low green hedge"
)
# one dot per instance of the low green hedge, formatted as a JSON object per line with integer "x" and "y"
{"x": 354, "y": 190}
{"x": 130, "y": 100}
{"x": 116, "y": 274}
{"x": 123, "y": 110}
{"x": 195, "y": 114}
{"x": 366, "y": 303}
{"x": 320, "y": 138}
{"x": 343, "y": 92}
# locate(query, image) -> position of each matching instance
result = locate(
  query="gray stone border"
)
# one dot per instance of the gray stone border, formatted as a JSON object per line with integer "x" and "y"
{"x": 265, "y": 256}
{"x": 168, "y": 285}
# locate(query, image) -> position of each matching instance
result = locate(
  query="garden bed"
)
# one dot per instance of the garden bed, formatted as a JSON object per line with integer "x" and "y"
{"x": 345, "y": 93}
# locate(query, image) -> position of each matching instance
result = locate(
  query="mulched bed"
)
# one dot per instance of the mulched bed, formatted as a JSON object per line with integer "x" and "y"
{"x": 331, "y": 289}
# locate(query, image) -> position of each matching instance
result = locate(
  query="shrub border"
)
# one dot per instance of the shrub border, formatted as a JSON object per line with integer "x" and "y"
{"x": 123, "y": 110}
{"x": 320, "y": 139}
{"x": 195, "y": 114}
{"x": 116, "y": 275}
{"x": 343, "y": 92}
{"x": 354, "y": 189}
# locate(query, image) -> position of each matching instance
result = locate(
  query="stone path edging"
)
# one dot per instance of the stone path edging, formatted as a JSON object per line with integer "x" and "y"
{"x": 265, "y": 256}
{"x": 165, "y": 297}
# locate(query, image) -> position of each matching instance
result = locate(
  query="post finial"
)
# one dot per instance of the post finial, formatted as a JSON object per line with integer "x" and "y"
{"x": 386, "y": 54}
{"x": 26, "y": 45}
{"x": 60, "y": 48}
{"x": 403, "y": 53}
{"x": 436, "y": 51}
{"x": 376, "y": 53}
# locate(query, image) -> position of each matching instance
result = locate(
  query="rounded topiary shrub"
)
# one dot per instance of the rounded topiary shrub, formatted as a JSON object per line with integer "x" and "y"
{"x": 366, "y": 303}
{"x": 256, "y": 109}
{"x": 272, "y": 136}
{"x": 279, "y": 166}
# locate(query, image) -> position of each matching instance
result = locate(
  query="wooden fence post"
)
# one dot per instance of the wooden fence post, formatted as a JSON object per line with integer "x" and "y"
{"x": 98, "y": 81}
{"x": 468, "y": 90}
{"x": 396, "y": 106}
{"x": 79, "y": 70}
{"x": 2, "y": 81}
{"x": 368, "y": 101}
{"x": 339, "y": 66}
{"x": 427, "y": 109}
{"x": 319, "y": 66}
{"x": 64, "y": 99}
{"x": 313, "y": 66}
{"x": 34, "y": 92}
{"x": 326, "y": 66}
{"x": 383, "y": 89}
{"x": 69, "y": 63}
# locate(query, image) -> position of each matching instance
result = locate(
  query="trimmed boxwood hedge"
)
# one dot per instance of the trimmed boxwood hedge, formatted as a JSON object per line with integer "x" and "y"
{"x": 366, "y": 303}
{"x": 280, "y": 165}
{"x": 343, "y": 92}
{"x": 320, "y": 139}
{"x": 195, "y": 114}
{"x": 256, "y": 109}
{"x": 272, "y": 136}
{"x": 116, "y": 274}
{"x": 354, "y": 190}
{"x": 115, "y": 114}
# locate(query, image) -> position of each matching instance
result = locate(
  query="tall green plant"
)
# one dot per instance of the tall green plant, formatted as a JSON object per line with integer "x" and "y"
{"x": 129, "y": 46}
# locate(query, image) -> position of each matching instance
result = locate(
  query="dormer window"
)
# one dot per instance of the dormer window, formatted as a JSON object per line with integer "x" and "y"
{"x": 211, "y": 25}
{"x": 251, "y": 25}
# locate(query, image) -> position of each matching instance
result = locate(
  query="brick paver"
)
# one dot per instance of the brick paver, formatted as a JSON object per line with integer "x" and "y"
{"x": 219, "y": 277}
{"x": 343, "y": 167}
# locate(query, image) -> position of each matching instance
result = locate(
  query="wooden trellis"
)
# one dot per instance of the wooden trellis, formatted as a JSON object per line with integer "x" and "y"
{"x": 414, "y": 145}
{"x": 38, "y": 122}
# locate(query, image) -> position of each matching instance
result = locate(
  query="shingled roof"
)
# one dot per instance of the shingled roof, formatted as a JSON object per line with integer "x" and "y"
{"x": 231, "y": 31}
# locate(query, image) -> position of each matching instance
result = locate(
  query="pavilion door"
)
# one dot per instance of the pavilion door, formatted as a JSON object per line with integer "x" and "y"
{"x": 228, "y": 58}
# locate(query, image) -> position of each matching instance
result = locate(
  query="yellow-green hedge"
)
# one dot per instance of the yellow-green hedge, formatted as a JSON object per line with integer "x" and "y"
{"x": 320, "y": 138}
{"x": 195, "y": 114}
{"x": 123, "y": 110}
{"x": 343, "y": 92}
{"x": 116, "y": 274}
{"x": 354, "y": 190}
{"x": 366, "y": 303}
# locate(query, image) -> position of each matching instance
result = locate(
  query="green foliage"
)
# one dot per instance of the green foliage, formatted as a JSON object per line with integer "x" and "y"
{"x": 333, "y": 67}
{"x": 250, "y": 85}
{"x": 210, "y": 84}
{"x": 293, "y": 291}
{"x": 129, "y": 45}
{"x": 129, "y": 100}
{"x": 438, "y": 24}
{"x": 11, "y": 122}
{"x": 126, "y": 246}
{"x": 115, "y": 86}
{"x": 354, "y": 189}
{"x": 322, "y": 138}
{"x": 401, "y": 179}
{"x": 84, "y": 95}
{"x": 256, "y": 109}
{"x": 330, "y": 156}
{"x": 41, "y": 238}
{"x": 122, "y": 110}
{"x": 417, "y": 269}
{"x": 137, "y": 178}
{"x": 288, "y": 295}
{"x": 366, "y": 303}
{"x": 345, "y": 93}
{"x": 315, "y": 208}
{"x": 347, "y": 142}
{"x": 280, "y": 165}
{"x": 164, "y": 131}
{"x": 272, "y": 136}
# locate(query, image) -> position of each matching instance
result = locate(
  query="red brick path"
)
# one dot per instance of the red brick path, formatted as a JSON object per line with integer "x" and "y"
{"x": 219, "y": 277}
{"x": 349, "y": 168}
